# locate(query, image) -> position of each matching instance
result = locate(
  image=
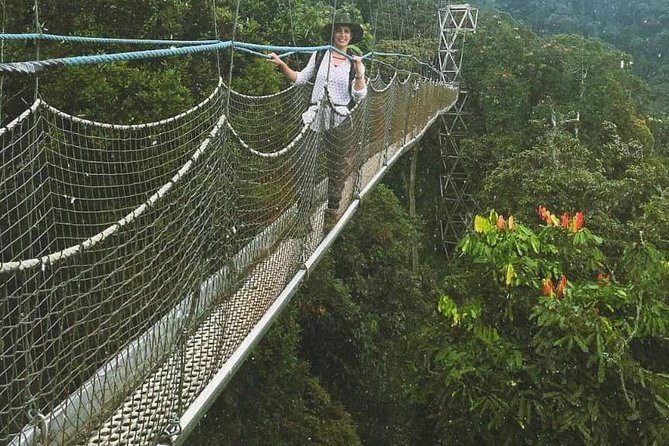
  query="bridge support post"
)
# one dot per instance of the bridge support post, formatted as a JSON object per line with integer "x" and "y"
{"x": 457, "y": 204}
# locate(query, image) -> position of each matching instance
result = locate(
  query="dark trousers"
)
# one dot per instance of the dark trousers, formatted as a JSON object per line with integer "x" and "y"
{"x": 338, "y": 144}
{"x": 330, "y": 154}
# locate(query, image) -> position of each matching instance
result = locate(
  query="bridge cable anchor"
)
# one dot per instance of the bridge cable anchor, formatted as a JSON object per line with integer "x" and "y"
{"x": 40, "y": 422}
{"x": 171, "y": 431}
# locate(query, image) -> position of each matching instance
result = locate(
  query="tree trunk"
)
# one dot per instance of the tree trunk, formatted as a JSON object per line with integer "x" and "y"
{"x": 412, "y": 203}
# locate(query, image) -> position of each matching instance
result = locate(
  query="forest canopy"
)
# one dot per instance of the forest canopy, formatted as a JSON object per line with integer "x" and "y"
{"x": 639, "y": 28}
{"x": 550, "y": 322}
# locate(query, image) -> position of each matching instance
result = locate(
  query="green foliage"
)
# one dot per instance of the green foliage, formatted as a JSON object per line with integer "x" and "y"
{"x": 555, "y": 123}
{"x": 129, "y": 92}
{"x": 611, "y": 182}
{"x": 121, "y": 92}
{"x": 401, "y": 19}
{"x": 362, "y": 316}
{"x": 421, "y": 48}
{"x": 548, "y": 79}
{"x": 653, "y": 225}
{"x": 257, "y": 77}
{"x": 530, "y": 363}
{"x": 638, "y": 28}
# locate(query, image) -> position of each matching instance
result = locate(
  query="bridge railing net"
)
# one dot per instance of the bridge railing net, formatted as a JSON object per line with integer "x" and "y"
{"x": 124, "y": 248}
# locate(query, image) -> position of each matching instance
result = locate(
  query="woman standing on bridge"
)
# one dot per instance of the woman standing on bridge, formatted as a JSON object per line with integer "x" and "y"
{"x": 342, "y": 75}
{"x": 343, "y": 78}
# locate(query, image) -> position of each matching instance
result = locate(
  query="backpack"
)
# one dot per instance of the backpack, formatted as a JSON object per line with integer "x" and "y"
{"x": 351, "y": 74}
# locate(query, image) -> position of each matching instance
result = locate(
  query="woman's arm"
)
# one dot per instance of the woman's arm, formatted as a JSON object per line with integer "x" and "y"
{"x": 298, "y": 77}
{"x": 283, "y": 66}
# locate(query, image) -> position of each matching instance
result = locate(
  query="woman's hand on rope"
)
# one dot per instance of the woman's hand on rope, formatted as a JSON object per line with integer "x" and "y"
{"x": 359, "y": 66}
{"x": 359, "y": 82}
{"x": 276, "y": 60}
{"x": 283, "y": 66}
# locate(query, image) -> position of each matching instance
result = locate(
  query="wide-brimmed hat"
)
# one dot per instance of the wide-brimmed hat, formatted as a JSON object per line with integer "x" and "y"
{"x": 343, "y": 19}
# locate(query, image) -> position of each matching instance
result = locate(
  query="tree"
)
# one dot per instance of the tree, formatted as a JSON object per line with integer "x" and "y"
{"x": 553, "y": 122}
{"x": 638, "y": 28}
{"x": 361, "y": 317}
{"x": 540, "y": 338}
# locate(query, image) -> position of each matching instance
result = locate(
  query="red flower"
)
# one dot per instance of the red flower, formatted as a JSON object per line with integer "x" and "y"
{"x": 548, "y": 287}
{"x": 500, "y": 223}
{"x": 565, "y": 220}
{"x": 562, "y": 284}
{"x": 579, "y": 219}
{"x": 602, "y": 279}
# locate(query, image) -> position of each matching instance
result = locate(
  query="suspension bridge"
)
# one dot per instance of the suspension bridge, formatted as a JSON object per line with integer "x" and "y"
{"x": 140, "y": 264}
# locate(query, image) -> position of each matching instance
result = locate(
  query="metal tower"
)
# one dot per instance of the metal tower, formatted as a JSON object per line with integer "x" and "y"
{"x": 455, "y": 22}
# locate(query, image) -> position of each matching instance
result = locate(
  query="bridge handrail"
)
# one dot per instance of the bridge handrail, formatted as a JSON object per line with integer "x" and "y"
{"x": 177, "y": 48}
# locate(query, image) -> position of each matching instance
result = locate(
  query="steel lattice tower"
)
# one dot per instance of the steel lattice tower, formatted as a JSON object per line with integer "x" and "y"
{"x": 455, "y": 22}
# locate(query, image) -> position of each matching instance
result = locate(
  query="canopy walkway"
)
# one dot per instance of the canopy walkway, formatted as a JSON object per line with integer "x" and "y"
{"x": 139, "y": 264}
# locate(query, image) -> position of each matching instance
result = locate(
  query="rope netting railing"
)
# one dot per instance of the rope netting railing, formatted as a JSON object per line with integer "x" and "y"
{"x": 135, "y": 259}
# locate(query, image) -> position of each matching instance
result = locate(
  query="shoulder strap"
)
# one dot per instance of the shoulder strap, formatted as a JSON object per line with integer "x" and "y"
{"x": 351, "y": 70}
{"x": 351, "y": 76}
{"x": 319, "y": 58}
